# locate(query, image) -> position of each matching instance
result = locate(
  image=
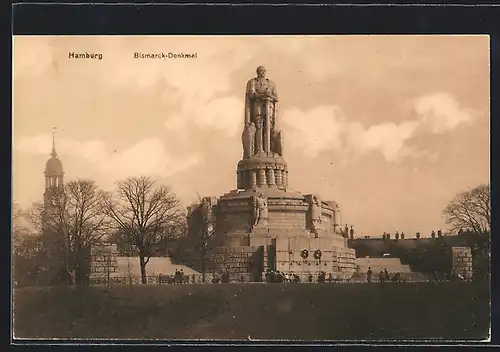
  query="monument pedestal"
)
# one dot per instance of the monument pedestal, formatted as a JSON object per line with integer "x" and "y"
{"x": 263, "y": 170}
{"x": 280, "y": 243}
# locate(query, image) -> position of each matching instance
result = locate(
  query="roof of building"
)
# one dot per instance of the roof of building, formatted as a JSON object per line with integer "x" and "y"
{"x": 53, "y": 167}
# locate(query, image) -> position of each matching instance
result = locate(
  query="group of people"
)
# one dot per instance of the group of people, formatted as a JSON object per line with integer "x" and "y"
{"x": 277, "y": 276}
{"x": 384, "y": 276}
{"x": 178, "y": 278}
{"x": 442, "y": 276}
{"x": 397, "y": 235}
{"x": 347, "y": 232}
{"x": 222, "y": 278}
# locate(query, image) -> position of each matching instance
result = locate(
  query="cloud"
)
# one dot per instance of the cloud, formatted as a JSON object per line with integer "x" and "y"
{"x": 327, "y": 128}
{"x": 221, "y": 114}
{"x": 315, "y": 130}
{"x": 324, "y": 61}
{"x": 441, "y": 112}
{"x": 31, "y": 55}
{"x": 147, "y": 157}
{"x": 387, "y": 138}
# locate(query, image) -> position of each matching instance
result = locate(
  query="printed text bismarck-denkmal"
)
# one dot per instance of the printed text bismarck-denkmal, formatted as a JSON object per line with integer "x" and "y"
{"x": 165, "y": 56}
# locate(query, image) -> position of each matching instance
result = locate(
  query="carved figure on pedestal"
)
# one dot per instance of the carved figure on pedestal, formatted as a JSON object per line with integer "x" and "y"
{"x": 206, "y": 211}
{"x": 316, "y": 217}
{"x": 260, "y": 210}
{"x": 261, "y": 104}
{"x": 346, "y": 231}
{"x": 277, "y": 142}
{"x": 248, "y": 139}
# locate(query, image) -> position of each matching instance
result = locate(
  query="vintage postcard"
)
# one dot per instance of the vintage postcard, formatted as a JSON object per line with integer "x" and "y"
{"x": 294, "y": 188}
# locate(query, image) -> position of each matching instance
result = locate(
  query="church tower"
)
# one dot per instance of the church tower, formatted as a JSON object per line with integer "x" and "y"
{"x": 54, "y": 175}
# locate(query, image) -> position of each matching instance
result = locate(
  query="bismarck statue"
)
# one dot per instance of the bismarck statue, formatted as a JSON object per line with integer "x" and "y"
{"x": 261, "y": 134}
{"x": 262, "y": 165}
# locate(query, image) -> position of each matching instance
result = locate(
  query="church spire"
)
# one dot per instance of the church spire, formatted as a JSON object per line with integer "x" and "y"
{"x": 54, "y": 153}
{"x": 54, "y": 174}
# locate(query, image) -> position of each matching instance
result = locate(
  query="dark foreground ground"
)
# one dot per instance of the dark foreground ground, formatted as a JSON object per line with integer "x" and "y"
{"x": 453, "y": 310}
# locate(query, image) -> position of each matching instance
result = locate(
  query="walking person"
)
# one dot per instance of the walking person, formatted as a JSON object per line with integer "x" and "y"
{"x": 381, "y": 276}
{"x": 386, "y": 273}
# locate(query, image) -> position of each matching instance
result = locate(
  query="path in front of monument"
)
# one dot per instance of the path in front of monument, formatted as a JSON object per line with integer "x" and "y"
{"x": 449, "y": 310}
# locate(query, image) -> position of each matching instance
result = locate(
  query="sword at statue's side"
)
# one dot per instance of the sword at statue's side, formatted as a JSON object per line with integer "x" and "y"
{"x": 275, "y": 116}
{"x": 267, "y": 128}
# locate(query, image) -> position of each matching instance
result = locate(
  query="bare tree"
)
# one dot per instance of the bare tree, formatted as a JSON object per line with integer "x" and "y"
{"x": 75, "y": 219}
{"x": 146, "y": 214}
{"x": 201, "y": 220}
{"x": 16, "y": 211}
{"x": 26, "y": 248}
{"x": 470, "y": 211}
{"x": 129, "y": 274}
{"x": 19, "y": 229}
{"x": 29, "y": 259}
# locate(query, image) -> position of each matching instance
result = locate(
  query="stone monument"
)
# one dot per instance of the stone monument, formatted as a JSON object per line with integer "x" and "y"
{"x": 262, "y": 164}
{"x": 262, "y": 224}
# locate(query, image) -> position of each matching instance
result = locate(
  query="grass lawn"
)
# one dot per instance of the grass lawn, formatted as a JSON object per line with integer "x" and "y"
{"x": 453, "y": 310}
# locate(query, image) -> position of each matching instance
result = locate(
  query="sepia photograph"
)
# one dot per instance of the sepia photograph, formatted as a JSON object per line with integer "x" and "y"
{"x": 251, "y": 188}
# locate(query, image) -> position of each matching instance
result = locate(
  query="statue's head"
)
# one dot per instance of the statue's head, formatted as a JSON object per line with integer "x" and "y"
{"x": 261, "y": 72}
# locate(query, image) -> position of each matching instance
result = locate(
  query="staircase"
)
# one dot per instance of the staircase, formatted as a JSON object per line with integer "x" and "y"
{"x": 393, "y": 265}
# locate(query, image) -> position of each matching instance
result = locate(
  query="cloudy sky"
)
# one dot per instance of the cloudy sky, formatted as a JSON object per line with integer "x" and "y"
{"x": 391, "y": 127}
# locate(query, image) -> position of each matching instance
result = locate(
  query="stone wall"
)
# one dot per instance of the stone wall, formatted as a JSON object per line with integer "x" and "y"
{"x": 103, "y": 263}
{"x": 297, "y": 254}
{"x": 346, "y": 261}
{"x": 393, "y": 265}
{"x": 284, "y": 220}
{"x": 234, "y": 216}
{"x": 286, "y": 211}
{"x": 243, "y": 261}
{"x": 462, "y": 261}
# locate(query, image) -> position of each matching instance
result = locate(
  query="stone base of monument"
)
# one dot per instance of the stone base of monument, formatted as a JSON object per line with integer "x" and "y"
{"x": 243, "y": 263}
{"x": 286, "y": 240}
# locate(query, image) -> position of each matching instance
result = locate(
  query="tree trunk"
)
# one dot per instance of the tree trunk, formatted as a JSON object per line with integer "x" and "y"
{"x": 72, "y": 275}
{"x": 203, "y": 269}
{"x": 203, "y": 262}
{"x": 142, "y": 262}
